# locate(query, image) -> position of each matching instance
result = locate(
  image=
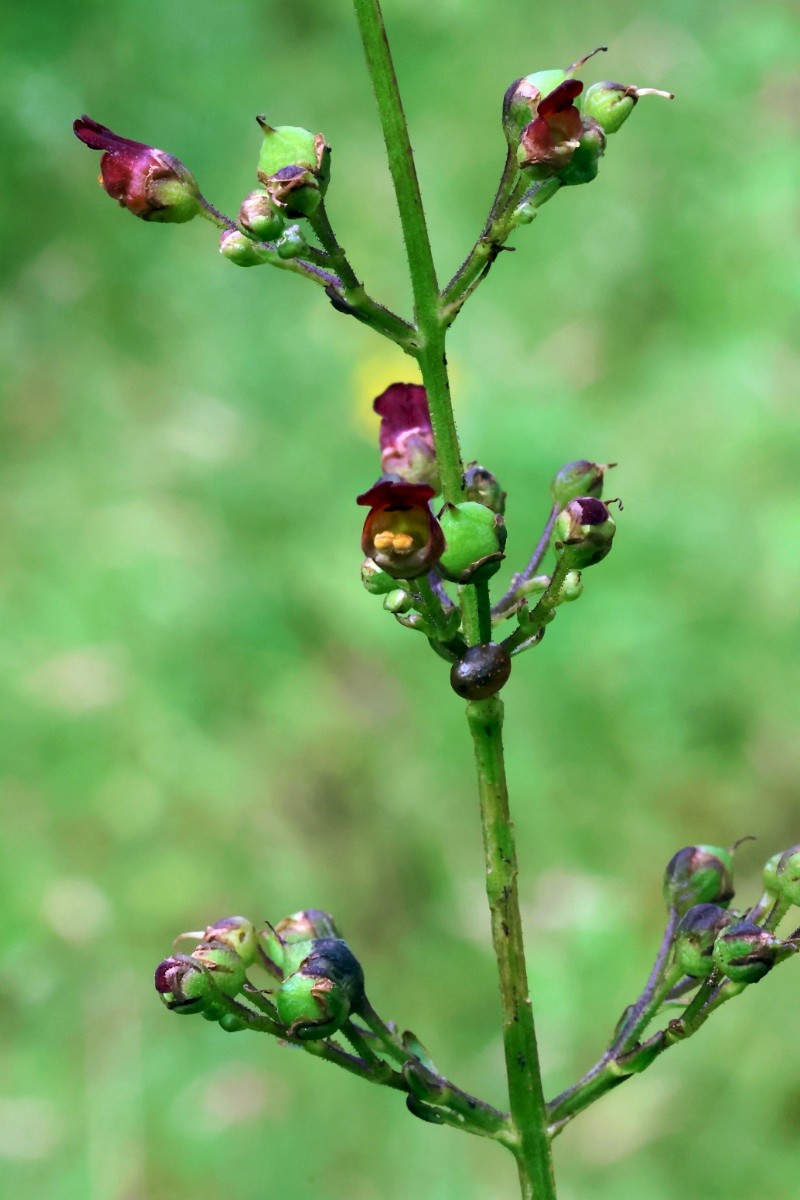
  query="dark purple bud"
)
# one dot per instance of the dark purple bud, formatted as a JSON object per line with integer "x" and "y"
{"x": 586, "y": 529}
{"x": 481, "y": 672}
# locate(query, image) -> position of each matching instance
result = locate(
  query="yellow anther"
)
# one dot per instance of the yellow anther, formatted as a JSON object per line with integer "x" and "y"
{"x": 399, "y": 543}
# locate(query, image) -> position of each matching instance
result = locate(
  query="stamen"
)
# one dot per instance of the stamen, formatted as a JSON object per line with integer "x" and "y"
{"x": 637, "y": 91}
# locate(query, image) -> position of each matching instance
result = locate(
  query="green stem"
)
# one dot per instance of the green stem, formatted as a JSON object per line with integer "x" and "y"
{"x": 353, "y": 294}
{"x": 424, "y": 284}
{"x": 541, "y": 614}
{"x": 526, "y": 1097}
{"x": 505, "y": 605}
{"x": 528, "y": 1109}
{"x": 495, "y": 234}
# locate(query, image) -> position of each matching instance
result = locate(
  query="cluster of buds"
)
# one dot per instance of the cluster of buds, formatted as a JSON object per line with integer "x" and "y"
{"x": 556, "y": 131}
{"x": 318, "y": 982}
{"x": 710, "y": 936}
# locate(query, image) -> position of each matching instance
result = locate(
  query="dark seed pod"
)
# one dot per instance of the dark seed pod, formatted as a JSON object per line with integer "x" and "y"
{"x": 481, "y": 672}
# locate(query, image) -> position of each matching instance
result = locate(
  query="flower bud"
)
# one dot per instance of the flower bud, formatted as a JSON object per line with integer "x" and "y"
{"x": 406, "y": 436}
{"x": 293, "y": 166}
{"x": 787, "y": 876}
{"x": 481, "y": 671}
{"x": 260, "y": 217}
{"x": 571, "y": 588}
{"x": 581, "y": 478}
{"x": 238, "y": 248}
{"x": 183, "y": 985}
{"x": 698, "y": 875}
{"x": 481, "y": 486}
{"x": 587, "y": 529}
{"x": 224, "y": 964}
{"x": 771, "y": 873}
{"x": 401, "y": 534}
{"x": 585, "y": 162}
{"x": 318, "y": 997}
{"x": 376, "y": 581}
{"x": 610, "y": 104}
{"x": 695, "y": 937}
{"x": 237, "y": 933}
{"x": 475, "y": 537}
{"x": 232, "y": 1023}
{"x": 745, "y": 952}
{"x": 398, "y": 601}
{"x": 291, "y": 243}
{"x": 306, "y": 925}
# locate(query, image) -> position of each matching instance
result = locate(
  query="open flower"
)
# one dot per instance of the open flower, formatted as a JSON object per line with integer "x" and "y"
{"x": 549, "y": 141}
{"x": 150, "y": 183}
{"x": 406, "y": 435}
{"x": 401, "y": 533}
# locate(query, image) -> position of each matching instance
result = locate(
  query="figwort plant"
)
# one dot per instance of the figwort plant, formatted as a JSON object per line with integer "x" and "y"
{"x": 433, "y": 561}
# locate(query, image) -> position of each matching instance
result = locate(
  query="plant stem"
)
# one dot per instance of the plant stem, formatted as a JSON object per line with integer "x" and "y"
{"x": 528, "y": 1108}
{"x": 505, "y": 604}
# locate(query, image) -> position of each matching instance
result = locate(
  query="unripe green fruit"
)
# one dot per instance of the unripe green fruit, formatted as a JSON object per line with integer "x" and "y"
{"x": 376, "y": 581}
{"x": 695, "y": 937}
{"x": 481, "y": 671}
{"x": 317, "y": 998}
{"x": 238, "y": 934}
{"x": 699, "y": 875}
{"x": 610, "y": 104}
{"x": 475, "y": 537}
{"x": 787, "y": 875}
{"x": 745, "y": 952}
{"x": 226, "y": 968}
{"x": 287, "y": 146}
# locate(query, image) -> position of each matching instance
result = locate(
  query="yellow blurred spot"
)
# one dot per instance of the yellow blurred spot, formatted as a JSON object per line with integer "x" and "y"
{"x": 372, "y": 376}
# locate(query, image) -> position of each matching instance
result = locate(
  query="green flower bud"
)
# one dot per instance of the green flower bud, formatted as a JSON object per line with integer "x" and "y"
{"x": 571, "y": 588}
{"x": 695, "y": 937}
{"x": 237, "y": 933}
{"x": 398, "y": 601}
{"x": 232, "y": 1023}
{"x": 306, "y": 925}
{"x": 224, "y": 965}
{"x": 289, "y": 146}
{"x": 474, "y": 537}
{"x": 585, "y": 162}
{"x": 260, "y": 217}
{"x": 771, "y": 873}
{"x": 587, "y": 529}
{"x": 787, "y": 875}
{"x": 183, "y": 985}
{"x": 745, "y": 952}
{"x": 699, "y": 875}
{"x": 481, "y": 485}
{"x": 291, "y": 243}
{"x": 610, "y": 104}
{"x": 481, "y": 671}
{"x": 376, "y": 581}
{"x": 318, "y": 997}
{"x": 238, "y": 248}
{"x": 581, "y": 478}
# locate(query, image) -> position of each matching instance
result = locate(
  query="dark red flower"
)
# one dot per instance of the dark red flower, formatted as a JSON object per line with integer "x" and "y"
{"x": 549, "y": 141}
{"x": 406, "y": 435}
{"x": 401, "y": 533}
{"x": 150, "y": 183}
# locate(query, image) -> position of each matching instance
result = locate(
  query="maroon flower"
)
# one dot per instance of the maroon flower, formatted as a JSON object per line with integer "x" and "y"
{"x": 151, "y": 184}
{"x": 550, "y": 140}
{"x": 401, "y": 533}
{"x": 406, "y": 436}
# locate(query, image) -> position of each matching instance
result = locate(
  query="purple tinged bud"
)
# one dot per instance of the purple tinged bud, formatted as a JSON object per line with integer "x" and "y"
{"x": 745, "y": 952}
{"x": 482, "y": 486}
{"x": 699, "y": 875}
{"x": 406, "y": 436}
{"x": 580, "y": 478}
{"x": 585, "y": 529}
{"x": 695, "y": 937}
{"x": 150, "y": 183}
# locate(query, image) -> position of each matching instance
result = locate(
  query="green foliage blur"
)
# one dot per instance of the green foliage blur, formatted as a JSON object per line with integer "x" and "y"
{"x": 203, "y": 713}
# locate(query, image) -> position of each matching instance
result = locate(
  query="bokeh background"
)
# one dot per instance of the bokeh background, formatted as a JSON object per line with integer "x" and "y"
{"x": 203, "y": 713}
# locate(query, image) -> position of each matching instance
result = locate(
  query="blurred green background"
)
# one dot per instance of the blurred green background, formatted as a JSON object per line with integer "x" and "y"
{"x": 203, "y": 713}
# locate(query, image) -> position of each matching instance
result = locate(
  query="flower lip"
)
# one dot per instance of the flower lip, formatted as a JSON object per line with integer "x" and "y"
{"x": 397, "y": 495}
{"x": 100, "y": 137}
{"x": 560, "y": 99}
